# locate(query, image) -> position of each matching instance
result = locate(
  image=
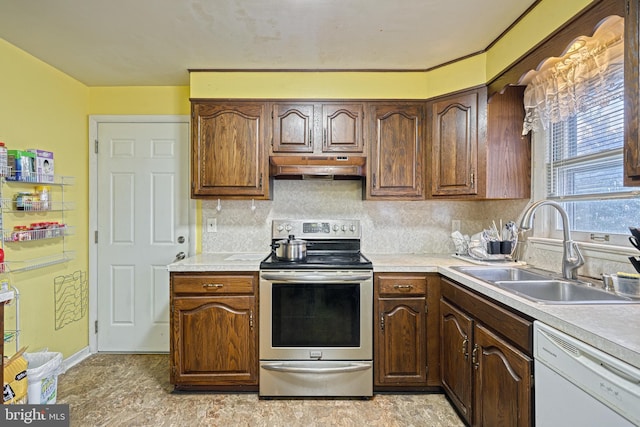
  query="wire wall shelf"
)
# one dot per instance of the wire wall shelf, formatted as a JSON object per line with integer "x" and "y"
{"x": 35, "y": 263}
{"x": 50, "y": 231}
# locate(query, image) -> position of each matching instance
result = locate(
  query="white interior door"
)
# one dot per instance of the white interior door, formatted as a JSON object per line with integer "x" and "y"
{"x": 143, "y": 223}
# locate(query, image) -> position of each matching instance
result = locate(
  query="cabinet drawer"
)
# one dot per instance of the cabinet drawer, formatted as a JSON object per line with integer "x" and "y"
{"x": 514, "y": 327}
{"x": 213, "y": 283}
{"x": 402, "y": 284}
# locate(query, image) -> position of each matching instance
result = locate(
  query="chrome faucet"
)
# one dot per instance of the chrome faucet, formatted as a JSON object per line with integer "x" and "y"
{"x": 572, "y": 259}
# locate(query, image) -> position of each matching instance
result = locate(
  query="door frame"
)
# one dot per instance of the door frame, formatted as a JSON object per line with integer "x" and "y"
{"x": 94, "y": 121}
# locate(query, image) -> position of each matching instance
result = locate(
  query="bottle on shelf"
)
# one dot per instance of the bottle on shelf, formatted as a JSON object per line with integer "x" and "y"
{"x": 4, "y": 167}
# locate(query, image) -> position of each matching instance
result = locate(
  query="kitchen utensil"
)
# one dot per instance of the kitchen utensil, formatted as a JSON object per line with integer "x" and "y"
{"x": 290, "y": 249}
{"x": 636, "y": 263}
{"x": 626, "y": 284}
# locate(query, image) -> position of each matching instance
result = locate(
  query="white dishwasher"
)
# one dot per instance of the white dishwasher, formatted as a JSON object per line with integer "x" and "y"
{"x": 578, "y": 385}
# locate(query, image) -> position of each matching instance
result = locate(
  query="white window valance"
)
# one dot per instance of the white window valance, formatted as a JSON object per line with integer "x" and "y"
{"x": 558, "y": 89}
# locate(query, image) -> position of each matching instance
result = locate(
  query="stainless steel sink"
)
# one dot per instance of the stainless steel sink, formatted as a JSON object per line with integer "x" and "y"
{"x": 561, "y": 292}
{"x": 495, "y": 274}
{"x": 542, "y": 287}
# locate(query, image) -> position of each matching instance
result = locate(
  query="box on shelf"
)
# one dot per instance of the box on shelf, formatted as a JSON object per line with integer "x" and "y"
{"x": 23, "y": 164}
{"x": 15, "y": 380}
{"x": 43, "y": 165}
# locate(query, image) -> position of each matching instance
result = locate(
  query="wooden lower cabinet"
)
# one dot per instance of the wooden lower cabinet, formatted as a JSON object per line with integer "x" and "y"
{"x": 502, "y": 382}
{"x": 406, "y": 332}
{"x": 214, "y": 331}
{"x": 456, "y": 333}
{"x": 486, "y": 359}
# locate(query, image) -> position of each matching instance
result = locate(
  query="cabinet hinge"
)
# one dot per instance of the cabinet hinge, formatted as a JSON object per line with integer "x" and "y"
{"x": 95, "y": 327}
{"x": 426, "y": 308}
{"x": 260, "y": 184}
{"x": 95, "y": 237}
{"x": 532, "y": 381}
{"x": 96, "y": 146}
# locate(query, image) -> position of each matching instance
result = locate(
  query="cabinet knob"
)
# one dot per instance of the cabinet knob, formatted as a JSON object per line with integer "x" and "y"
{"x": 402, "y": 286}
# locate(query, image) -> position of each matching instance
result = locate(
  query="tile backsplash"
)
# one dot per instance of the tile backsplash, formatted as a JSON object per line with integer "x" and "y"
{"x": 387, "y": 226}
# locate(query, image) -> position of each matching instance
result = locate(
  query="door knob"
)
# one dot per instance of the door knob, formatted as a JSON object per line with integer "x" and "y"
{"x": 179, "y": 256}
{"x": 181, "y": 239}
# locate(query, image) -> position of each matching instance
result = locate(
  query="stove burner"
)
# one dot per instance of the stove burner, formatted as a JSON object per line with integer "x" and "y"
{"x": 331, "y": 244}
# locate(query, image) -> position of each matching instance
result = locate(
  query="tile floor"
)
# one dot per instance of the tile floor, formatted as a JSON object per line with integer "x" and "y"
{"x": 134, "y": 390}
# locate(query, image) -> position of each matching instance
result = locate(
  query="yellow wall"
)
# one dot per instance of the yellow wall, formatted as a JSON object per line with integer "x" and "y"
{"x": 538, "y": 24}
{"x": 41, "y": 107}
{"x": 139, "y": 100}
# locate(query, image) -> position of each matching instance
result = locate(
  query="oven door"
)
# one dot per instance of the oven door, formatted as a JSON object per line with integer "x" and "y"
{"x": 316, "y": 315}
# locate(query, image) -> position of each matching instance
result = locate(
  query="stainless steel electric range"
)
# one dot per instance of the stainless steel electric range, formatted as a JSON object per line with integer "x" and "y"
{"x": 316, "y": 314}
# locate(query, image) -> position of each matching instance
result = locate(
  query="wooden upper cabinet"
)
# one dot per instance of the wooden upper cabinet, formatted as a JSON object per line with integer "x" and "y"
{"x": 632, "y": 94}
{"x": 228, "y": 154}
{"x": 293, "y": 128}
{"x": 507, "y": 159}
{"x": 342, "y": 128}
{"x": 395, "y": 161}
{"x": 454, "y": 144}
{"x": 477, "y": 147}
{"x": 318, "y": 127}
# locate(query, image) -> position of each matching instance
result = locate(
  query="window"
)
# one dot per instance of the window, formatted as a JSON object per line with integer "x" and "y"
{"x": 575, "y": 105}
{"x": 584, "y": 165}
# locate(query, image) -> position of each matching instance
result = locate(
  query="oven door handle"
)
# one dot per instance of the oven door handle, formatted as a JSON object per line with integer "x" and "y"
{"x": 315, "y": 278}
{"x": 283, "y": 367}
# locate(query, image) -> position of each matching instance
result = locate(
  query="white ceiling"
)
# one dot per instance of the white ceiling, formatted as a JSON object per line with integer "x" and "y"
{"x": 155, "y": 42}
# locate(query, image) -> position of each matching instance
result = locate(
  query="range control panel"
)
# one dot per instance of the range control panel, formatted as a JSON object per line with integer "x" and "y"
{"x": 316, "y": 229}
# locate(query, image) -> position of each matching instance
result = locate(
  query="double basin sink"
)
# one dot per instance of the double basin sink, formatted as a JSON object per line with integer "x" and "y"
{"x": 543, "y": 287}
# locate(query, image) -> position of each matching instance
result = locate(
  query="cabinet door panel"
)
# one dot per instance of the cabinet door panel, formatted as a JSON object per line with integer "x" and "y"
{"x": 454, "y": 145}
{"x": 396, "y": 155}
{"x": 227, "y": 152}
{"x": 342, "y": 128}
{"x": 632, "y": 97}
{"x": 214, "y": 341}
{"x": 292, "y": 128}
{"x": 455, "y": 357}
{"x": 401, "y": 347}
{"x": 503, "y": 374}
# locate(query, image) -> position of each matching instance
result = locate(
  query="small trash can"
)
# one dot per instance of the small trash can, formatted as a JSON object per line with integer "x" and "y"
{"x": 42, "y": 377}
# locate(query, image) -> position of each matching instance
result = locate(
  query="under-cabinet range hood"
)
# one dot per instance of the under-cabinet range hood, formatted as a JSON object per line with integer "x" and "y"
{"x": 329, "y": 167}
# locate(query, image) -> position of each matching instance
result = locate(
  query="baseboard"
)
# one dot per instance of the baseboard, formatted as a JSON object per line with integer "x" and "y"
{"x": 76, "y": 358}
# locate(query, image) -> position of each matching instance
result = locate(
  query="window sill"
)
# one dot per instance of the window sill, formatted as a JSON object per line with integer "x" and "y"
{"x": 588, "y": 249}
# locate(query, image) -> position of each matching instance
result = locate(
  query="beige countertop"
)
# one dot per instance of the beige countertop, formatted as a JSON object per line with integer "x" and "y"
{"x": 219, "y": 262}
{"x": 614, "y": 329}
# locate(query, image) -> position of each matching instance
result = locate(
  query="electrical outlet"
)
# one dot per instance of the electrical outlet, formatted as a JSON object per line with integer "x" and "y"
{"x": 212, "y": 225}
{"x": 455, "y": 225}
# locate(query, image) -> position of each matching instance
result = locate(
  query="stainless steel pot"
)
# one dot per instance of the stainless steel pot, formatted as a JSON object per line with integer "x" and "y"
{"x": 290, "y": 249}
